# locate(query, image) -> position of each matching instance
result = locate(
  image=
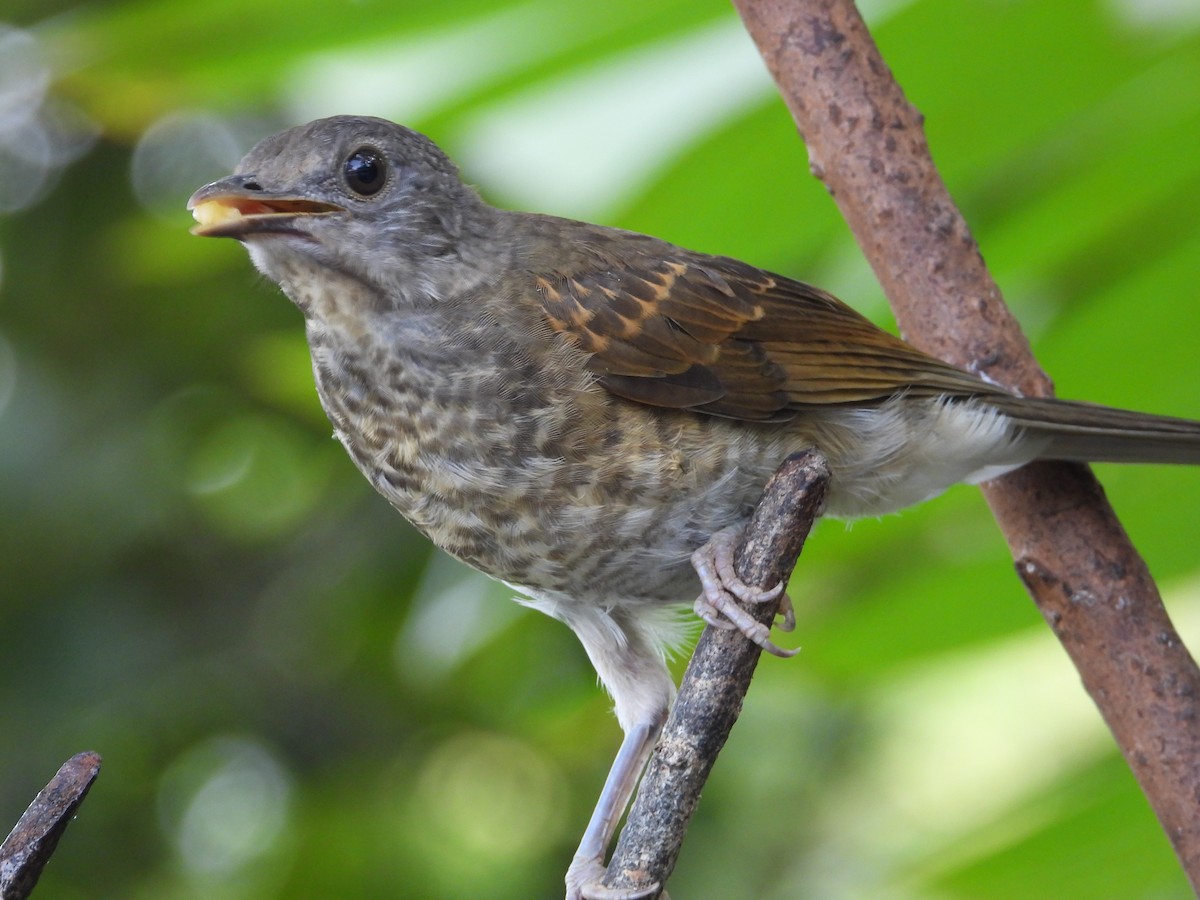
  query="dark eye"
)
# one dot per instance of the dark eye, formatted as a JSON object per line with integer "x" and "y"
{"x": 365, "y": 171}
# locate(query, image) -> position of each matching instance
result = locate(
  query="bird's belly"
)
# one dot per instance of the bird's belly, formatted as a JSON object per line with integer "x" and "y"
{"x": 614, "y": 511}
{"x": 619, "y": 524}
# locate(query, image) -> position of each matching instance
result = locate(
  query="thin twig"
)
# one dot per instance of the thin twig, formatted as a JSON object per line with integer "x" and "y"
{"x": 30, "y": 844}
{"x": 716, "y": 681}
{"x": 867, "y": 143}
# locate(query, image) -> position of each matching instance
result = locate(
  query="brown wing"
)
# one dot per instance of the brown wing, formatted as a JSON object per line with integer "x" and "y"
{"x": 682, "y": 330}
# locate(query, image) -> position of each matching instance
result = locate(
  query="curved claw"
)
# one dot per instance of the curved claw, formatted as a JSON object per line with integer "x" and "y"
{"x": 789, "y": 614}
{"x": 721, "y": 610}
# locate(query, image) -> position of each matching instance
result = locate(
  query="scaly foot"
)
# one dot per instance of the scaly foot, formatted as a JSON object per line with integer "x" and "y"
{"x": 718, "y": 604}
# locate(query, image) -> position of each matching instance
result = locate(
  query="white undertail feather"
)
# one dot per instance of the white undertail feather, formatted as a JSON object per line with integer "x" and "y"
{"x": 888, "y": 457}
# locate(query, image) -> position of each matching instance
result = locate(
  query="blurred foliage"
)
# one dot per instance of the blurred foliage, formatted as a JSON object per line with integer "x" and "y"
{"x": 295, "y": 697}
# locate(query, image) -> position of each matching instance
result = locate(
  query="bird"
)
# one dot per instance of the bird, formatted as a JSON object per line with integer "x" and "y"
{"x": 589, "y": 414}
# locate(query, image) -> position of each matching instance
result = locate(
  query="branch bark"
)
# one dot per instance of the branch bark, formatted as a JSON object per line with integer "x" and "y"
{"x": 33, "y": 839}
{"x": 867, "y": 144}
{"x": 716, "y": 681}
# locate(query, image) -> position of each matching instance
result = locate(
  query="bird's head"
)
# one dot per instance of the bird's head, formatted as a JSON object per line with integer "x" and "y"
{"x": 362, "y": 196}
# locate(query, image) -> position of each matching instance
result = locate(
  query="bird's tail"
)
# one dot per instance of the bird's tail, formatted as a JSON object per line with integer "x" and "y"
{"x": 1086, "y": 432}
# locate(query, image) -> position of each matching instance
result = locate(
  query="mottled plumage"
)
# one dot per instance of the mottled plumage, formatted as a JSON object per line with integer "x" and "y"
{"x": 575, "y": 409}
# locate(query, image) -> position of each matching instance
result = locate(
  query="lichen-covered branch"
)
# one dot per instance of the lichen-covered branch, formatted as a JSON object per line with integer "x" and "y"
{"x": 715, "y": 683}
{"x": 30, "y": 844}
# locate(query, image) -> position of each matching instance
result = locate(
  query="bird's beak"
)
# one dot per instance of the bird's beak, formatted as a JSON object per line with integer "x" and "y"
{"x": 227, "y": 208}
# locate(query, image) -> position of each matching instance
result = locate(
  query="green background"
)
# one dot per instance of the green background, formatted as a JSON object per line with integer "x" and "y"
{"x": 295, "y": 697}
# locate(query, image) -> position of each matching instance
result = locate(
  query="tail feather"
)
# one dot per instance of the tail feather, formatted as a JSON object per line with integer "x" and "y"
{"x": 1086, "y": 432}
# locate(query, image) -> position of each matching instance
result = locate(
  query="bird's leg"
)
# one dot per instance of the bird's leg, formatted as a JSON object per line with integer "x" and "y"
{"x": 627, "y": 652}
{"x": 722, "y": 589}
{"x": 587, "y": 868}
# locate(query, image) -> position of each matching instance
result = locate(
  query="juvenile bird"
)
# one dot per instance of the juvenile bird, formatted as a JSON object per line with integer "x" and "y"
{"x": 579, "y": 410}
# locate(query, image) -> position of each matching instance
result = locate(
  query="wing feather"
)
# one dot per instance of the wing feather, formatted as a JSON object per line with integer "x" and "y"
{"x": 682, "y": 330}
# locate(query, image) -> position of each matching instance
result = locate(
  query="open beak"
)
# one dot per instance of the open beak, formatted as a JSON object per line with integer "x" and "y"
{"x": 226, "y": 209}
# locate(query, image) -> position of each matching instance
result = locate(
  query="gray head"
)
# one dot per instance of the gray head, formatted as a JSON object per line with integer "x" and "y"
{"x": 362, "y": 196}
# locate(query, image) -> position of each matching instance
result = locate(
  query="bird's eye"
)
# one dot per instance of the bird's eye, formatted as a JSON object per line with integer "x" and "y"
{"x": 365, "y": 171}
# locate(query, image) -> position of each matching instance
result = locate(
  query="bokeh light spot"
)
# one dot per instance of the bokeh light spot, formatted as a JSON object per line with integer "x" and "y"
{"x": 254, "y": 476}
{"x": 224, "y": 804}
{"x": 38, "y": 135}
{"x": 176, "y": 155}
{"x": 24, "y": 76}
{"x": 8, "y": 373}
{"x": 492, "y": 795}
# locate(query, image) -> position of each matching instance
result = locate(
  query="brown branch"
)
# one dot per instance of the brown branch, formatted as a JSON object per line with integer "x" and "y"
{"x": 30, "y": 844}
{"x": 866, "y": 142}
{"x": 716, "y": 681}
